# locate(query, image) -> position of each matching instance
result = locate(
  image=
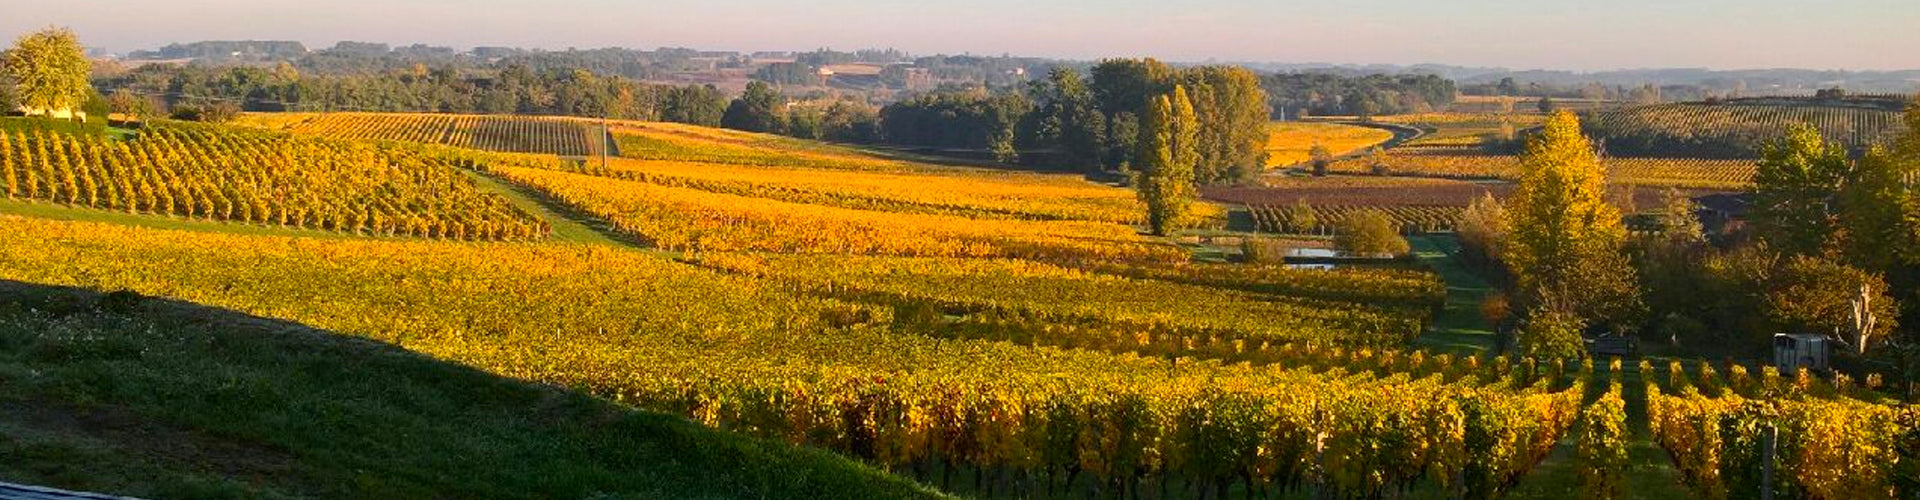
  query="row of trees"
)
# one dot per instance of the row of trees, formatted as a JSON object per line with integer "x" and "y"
{"x": 1295, "y": 95}
{"x": 513, "y": 89}
{"x": 1833, "y": 247}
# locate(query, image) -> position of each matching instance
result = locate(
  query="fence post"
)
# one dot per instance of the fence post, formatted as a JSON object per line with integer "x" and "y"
{"x": 1768, "y": 437}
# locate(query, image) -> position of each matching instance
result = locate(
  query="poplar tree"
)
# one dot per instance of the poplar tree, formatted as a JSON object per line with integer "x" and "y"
{"x": 1167, "y": 155}
{"x": 1564, "y": 244}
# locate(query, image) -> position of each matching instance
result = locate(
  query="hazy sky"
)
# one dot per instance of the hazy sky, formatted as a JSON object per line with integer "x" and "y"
{"x": 1555, "y": 34}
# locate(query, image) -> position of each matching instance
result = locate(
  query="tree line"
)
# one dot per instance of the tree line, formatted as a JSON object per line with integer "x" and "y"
{"x": 1296, "y": 95}
{"x": 513, "y": 89}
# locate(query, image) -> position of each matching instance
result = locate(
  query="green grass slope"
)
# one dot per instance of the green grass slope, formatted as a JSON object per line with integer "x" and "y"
{"x": 161, "y": 399}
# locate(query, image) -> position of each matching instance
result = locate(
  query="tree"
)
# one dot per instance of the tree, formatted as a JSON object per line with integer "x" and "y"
{"x": 1546, "y": 105}
{"x": 1233, "y": 114}
{"x": 1369, "y": 232}
{"x": 1167, "y": 155}
{"x": 132, "y": 106}
{"x": 49, "y": 71}
{"x": 1483, "y": 229}
{"x": 1507, "y": 87}
{"x": 1564, "y": 245}
{"x": 1321, "y": 158}
{"x": 1552, "y": 333}
{"x": 1679, "y": 221}
{"x": 1068, "y": 118}
{"x": 1301, "y": 217}
{"x": 1795, "y": 191}
{"x": 760, "y": 109}
{"x": 1670, "y": 268}
{"x": 1377, "y": 160}
{"x": 851, "y": 121}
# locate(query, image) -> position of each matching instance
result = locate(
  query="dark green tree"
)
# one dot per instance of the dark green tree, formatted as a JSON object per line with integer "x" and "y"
{"x": 1796, "y": 191}
{"x": 1068, "y": 119}
{"x": 760, "y": 109}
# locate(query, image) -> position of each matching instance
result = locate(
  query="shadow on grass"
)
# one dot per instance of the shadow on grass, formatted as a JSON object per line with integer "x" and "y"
{"x": 165, "y": 399}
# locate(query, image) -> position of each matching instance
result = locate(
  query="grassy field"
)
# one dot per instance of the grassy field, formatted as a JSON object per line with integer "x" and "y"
{"x": 1291, "y": 143}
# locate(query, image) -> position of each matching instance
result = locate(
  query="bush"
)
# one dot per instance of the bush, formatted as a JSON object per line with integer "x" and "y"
{"x": 1263, "y": 250}
{"x": 1370, "y": 232}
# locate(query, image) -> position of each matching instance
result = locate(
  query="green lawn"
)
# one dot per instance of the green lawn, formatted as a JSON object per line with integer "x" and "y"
{"x": 1459, "y": 328}
{"x": 567, "y": 227}
{"x": 166, "y": 400}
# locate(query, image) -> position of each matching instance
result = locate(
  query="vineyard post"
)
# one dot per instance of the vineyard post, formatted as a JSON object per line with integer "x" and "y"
{"x": 1769, "y": 434}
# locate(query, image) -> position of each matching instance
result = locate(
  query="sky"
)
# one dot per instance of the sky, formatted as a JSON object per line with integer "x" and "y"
{"x": 1534, "y": 34}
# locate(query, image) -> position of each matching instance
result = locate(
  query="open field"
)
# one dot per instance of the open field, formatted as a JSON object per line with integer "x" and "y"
{"x": 1291, "y": 143}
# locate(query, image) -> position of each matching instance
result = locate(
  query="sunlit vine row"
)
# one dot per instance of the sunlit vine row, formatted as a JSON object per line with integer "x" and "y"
{"x": 517, "y": 134}
{"x": 214, "y": 173}
{"x": 1826, "y": 448}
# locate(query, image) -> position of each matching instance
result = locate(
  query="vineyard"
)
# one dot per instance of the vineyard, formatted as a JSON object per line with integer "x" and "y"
{"x": 1002, "y": 334}
{"x": 1124, "y": 308}
{"x": 1833, "y": 441}
{"x": 512, "y": 134}
{"x": 1303, "y": 218}
{"x": 1458, "y": 129}
{"x": 1471, "y": 163}
{"x": 1291, "y": 143}
{"x": 263, "y": 178}
{"x": 1737, "y": 128}
{"x": 756, "y": 357}
{"x": 686, "y": 143}
{"x": 978, "y": 195}
{"x": 677, "y": 218}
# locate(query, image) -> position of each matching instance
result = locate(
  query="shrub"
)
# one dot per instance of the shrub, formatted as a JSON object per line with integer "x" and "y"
{"x": 1263, "y": 250}
{"x": 1370, "y": 232}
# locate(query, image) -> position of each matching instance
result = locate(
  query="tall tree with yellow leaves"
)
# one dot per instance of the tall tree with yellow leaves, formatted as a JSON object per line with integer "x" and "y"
{"x": 1167, "y": 156}
{"x": 1564, "y": 241}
